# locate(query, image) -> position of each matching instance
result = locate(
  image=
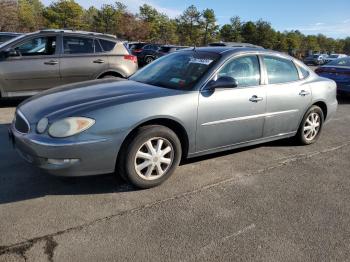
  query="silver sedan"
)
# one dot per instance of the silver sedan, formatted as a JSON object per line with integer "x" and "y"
{"x": 186, "y": 104}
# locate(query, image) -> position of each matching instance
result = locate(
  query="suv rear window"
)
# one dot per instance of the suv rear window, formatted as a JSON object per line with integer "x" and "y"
{"x": 107, "y": 45}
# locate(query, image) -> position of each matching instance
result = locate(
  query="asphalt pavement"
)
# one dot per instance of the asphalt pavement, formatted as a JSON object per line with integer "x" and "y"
{"x": 272, "y": 202}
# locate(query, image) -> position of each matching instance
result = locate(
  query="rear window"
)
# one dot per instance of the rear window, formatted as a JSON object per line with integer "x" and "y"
{"x": 107, "y": 45}
{"x": 136, "y": 46}
{"x": 164, "y": 49}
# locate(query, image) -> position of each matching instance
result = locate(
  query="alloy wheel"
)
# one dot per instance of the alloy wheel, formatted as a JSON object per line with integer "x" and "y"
{"x": 154, "y": 158}
{"x": 312, "y": 126}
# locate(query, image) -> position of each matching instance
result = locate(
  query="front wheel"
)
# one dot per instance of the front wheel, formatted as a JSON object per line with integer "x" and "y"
{"x": 151, "y": 157}
{"x": 311, "y": 126}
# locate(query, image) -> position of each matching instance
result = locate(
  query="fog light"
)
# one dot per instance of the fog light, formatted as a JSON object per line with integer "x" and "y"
{"x": 61, "y": 162}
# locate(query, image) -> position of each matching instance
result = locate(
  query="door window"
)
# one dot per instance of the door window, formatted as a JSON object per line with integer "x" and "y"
{"x": 38, "y": 46}
{"x": 245, "y": 70}
{"x": 280, "y": 70}
{"x": 78, "y": 45}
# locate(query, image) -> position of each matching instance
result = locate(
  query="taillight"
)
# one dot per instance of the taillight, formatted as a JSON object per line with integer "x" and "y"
{"x": 137, "y": 50}
{"x": 131, "y": 57}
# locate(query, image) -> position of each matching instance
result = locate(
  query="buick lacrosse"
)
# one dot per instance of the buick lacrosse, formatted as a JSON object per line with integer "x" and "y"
{"x": 186, "y": 104}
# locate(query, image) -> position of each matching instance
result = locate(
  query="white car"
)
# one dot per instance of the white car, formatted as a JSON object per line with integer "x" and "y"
{"x": 333, "y": 57}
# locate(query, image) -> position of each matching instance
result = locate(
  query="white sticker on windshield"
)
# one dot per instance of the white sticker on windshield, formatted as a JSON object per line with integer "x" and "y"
{"x": 202, "y": 61}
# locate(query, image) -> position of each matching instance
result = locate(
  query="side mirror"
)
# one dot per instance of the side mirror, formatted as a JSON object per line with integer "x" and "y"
{"x": 9, "y": 52}
{"x": 223, "y": 82}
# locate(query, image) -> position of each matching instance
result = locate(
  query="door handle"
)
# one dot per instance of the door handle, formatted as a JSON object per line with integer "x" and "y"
{"x": 304, "y": 93}
{"x": 52, "y": 62}
{"x": 255, "y": 99}
{"x": 98, "y": 61}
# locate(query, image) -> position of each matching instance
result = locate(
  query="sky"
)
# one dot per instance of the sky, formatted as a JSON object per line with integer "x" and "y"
{"x": 329, "y": 17}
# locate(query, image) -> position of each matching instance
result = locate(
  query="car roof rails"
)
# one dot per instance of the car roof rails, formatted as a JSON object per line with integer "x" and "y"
{"x": 66, "y": 30}
{"x": 235, "y": 44}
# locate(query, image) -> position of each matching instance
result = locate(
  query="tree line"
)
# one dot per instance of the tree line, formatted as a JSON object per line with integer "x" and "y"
{"x": 192, "y": 27}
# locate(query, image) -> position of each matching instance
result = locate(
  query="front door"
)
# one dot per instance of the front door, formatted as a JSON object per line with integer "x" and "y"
{"x": 33, "y": 68}
{"x": 231, "y": 116}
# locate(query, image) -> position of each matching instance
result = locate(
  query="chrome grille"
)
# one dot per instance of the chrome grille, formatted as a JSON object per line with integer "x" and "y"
{"x": 21, "y": 123}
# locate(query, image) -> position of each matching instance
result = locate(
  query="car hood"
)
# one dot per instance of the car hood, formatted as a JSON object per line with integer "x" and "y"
{"x": 90, "y": 95}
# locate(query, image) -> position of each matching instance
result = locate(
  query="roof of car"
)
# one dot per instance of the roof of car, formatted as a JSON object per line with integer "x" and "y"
{"x": 10, "y": 33}
{"x": 224, "y": 49}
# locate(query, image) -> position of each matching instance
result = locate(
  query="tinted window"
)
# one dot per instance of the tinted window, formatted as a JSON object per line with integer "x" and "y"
{"x": 245, "y": 70}
{"x": 280, "y": 70}
{"x": 340, "y": 62}
{"x": 107, "y": 45}
{"x": 177, "y": 70}
{"x": 78, "y": 45}
{"x": 4, "y": 38}
{"x": 37, "y": 46}
{"x": 136, "y": 46}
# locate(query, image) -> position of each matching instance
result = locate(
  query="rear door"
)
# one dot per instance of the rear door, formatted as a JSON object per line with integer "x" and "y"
{"x": 288, "y": 96}
{"x": 82, "y": 59}
{"x": 35, "y": 67}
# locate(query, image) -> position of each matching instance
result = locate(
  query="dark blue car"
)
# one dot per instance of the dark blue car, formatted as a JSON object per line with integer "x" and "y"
{"x": 339, "y": 71}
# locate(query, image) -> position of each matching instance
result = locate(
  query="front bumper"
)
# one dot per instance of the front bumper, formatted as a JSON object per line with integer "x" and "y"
{"x": 66, "y": 158}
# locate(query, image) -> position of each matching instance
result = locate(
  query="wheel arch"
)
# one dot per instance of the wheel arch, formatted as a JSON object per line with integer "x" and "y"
{"x": 112, "y": 73}
{"x": 172, "y": 124}
{"x": 323, "y": 106}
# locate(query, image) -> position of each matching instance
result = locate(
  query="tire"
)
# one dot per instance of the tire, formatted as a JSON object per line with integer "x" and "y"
{"x": 149, "y": 59}
{"x": 150, "y": 157}
{"x": 311, "y": 126}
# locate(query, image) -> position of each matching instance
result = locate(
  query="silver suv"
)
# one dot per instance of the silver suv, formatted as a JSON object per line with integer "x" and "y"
{"x": 48, "y": 58}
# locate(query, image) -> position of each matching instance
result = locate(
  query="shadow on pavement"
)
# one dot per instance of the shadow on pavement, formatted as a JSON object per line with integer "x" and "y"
{"x": 11, "y": 102}
{"x": 344, "y": 99}
{"x": 21, "y": 181}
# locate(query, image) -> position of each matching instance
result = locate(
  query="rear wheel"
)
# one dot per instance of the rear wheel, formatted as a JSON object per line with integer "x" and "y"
{"x": 311, "y": 126}
{"x": 151, "y": 157}
{"x": 149, "y": 59}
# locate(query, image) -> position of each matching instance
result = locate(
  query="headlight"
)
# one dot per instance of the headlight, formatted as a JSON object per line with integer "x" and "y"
{"x": 70, "y": 126}
{"x": 42, "y": 125}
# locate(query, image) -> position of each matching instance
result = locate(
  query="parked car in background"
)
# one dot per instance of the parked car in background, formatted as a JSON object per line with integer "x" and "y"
{"x": 234, "y": 44}
{"x": 147, "y": 54}
{"x": 6, "y": 36}
{"x": 316, "y": 59}
{"x": 189, "y": 103}
{"x": 49, "y": 58}
{"x": 136, "y": 47}
{"x": 333, "y": 57}
{"x": 167, "y": 49}
{"x": 339, "y": 71}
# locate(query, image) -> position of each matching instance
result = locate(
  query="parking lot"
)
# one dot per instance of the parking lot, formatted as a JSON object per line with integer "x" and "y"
{"x": 273, "y": 202}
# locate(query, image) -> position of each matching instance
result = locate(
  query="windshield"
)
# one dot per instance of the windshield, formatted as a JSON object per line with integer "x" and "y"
{"x": 178, "y": 70}
{"x": 316, "y": 56}
{"x": 333, "y": 56}
{"x": 340, "y": 62}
